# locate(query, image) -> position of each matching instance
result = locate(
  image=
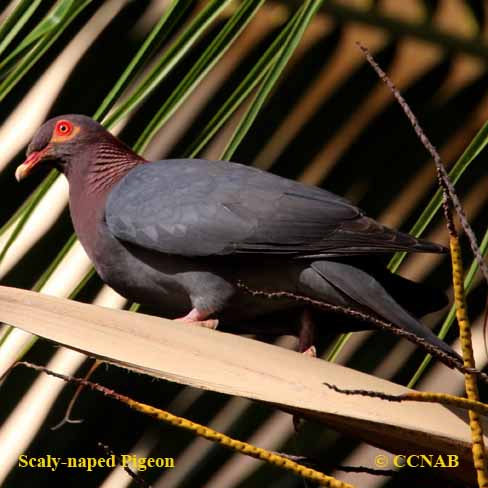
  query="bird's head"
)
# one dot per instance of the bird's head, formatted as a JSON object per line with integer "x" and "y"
{"x": 59, "y": 140}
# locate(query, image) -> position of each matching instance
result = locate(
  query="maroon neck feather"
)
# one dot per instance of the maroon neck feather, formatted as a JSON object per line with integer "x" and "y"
{"x": 97, "y": 167}
{"x": 107, "y": 162}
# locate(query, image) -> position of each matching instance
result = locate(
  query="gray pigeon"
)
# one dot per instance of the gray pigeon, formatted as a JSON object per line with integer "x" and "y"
{"x": 180, "y": 235}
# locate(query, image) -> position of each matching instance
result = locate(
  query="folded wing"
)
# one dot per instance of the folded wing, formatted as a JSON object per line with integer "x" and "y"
{"x": 203, "y": 208}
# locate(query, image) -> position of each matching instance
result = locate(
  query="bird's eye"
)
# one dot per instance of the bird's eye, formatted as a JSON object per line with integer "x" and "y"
{"x": 64, "y": 128}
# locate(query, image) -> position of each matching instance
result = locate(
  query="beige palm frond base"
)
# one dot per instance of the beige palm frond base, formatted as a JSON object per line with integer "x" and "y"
{"x": 221, "y": 362}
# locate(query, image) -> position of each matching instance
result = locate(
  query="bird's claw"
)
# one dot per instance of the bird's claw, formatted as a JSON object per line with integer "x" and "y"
{"x": 196, "y": 317}
{"x": 208, "y": 324}
{"x": 311, "y": 352}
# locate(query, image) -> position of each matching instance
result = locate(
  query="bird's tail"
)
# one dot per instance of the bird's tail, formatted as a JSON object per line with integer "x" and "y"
{"x": 363, "y": 289}
{"x": 421, "y": 245}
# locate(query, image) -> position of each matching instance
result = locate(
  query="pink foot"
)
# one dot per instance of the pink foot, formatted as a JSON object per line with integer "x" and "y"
{"x": 311, "y": 352}
{"x": 306, "y": 334}
{"x": 197, "y": 317}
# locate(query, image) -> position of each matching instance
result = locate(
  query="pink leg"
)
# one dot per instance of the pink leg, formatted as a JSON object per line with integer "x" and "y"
{"x": 306, "y": 334}
{"x": 199, "y": 318}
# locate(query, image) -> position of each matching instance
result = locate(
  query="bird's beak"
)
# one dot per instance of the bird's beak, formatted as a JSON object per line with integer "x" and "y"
{"x": 27, "y": 166}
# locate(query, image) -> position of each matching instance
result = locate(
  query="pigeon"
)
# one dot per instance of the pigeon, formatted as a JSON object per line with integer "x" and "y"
{"x": 190, "y": 237}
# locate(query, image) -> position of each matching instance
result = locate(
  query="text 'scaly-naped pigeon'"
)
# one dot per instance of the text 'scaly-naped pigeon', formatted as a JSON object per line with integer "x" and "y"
{"x": 181, "y": 234}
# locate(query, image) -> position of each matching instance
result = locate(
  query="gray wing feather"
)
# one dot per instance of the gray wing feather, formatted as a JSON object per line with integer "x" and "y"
{"x": 202, "y": 208}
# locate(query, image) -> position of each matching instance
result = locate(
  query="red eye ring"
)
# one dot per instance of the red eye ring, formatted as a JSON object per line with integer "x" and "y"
{"x": 64, "y": 128}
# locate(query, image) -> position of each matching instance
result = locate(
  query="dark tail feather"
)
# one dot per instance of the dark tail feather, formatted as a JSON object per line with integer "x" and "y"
{"x": 417, "y": 298}
{"x": 365, "y": 290}
{"x": 427, "y": 246}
